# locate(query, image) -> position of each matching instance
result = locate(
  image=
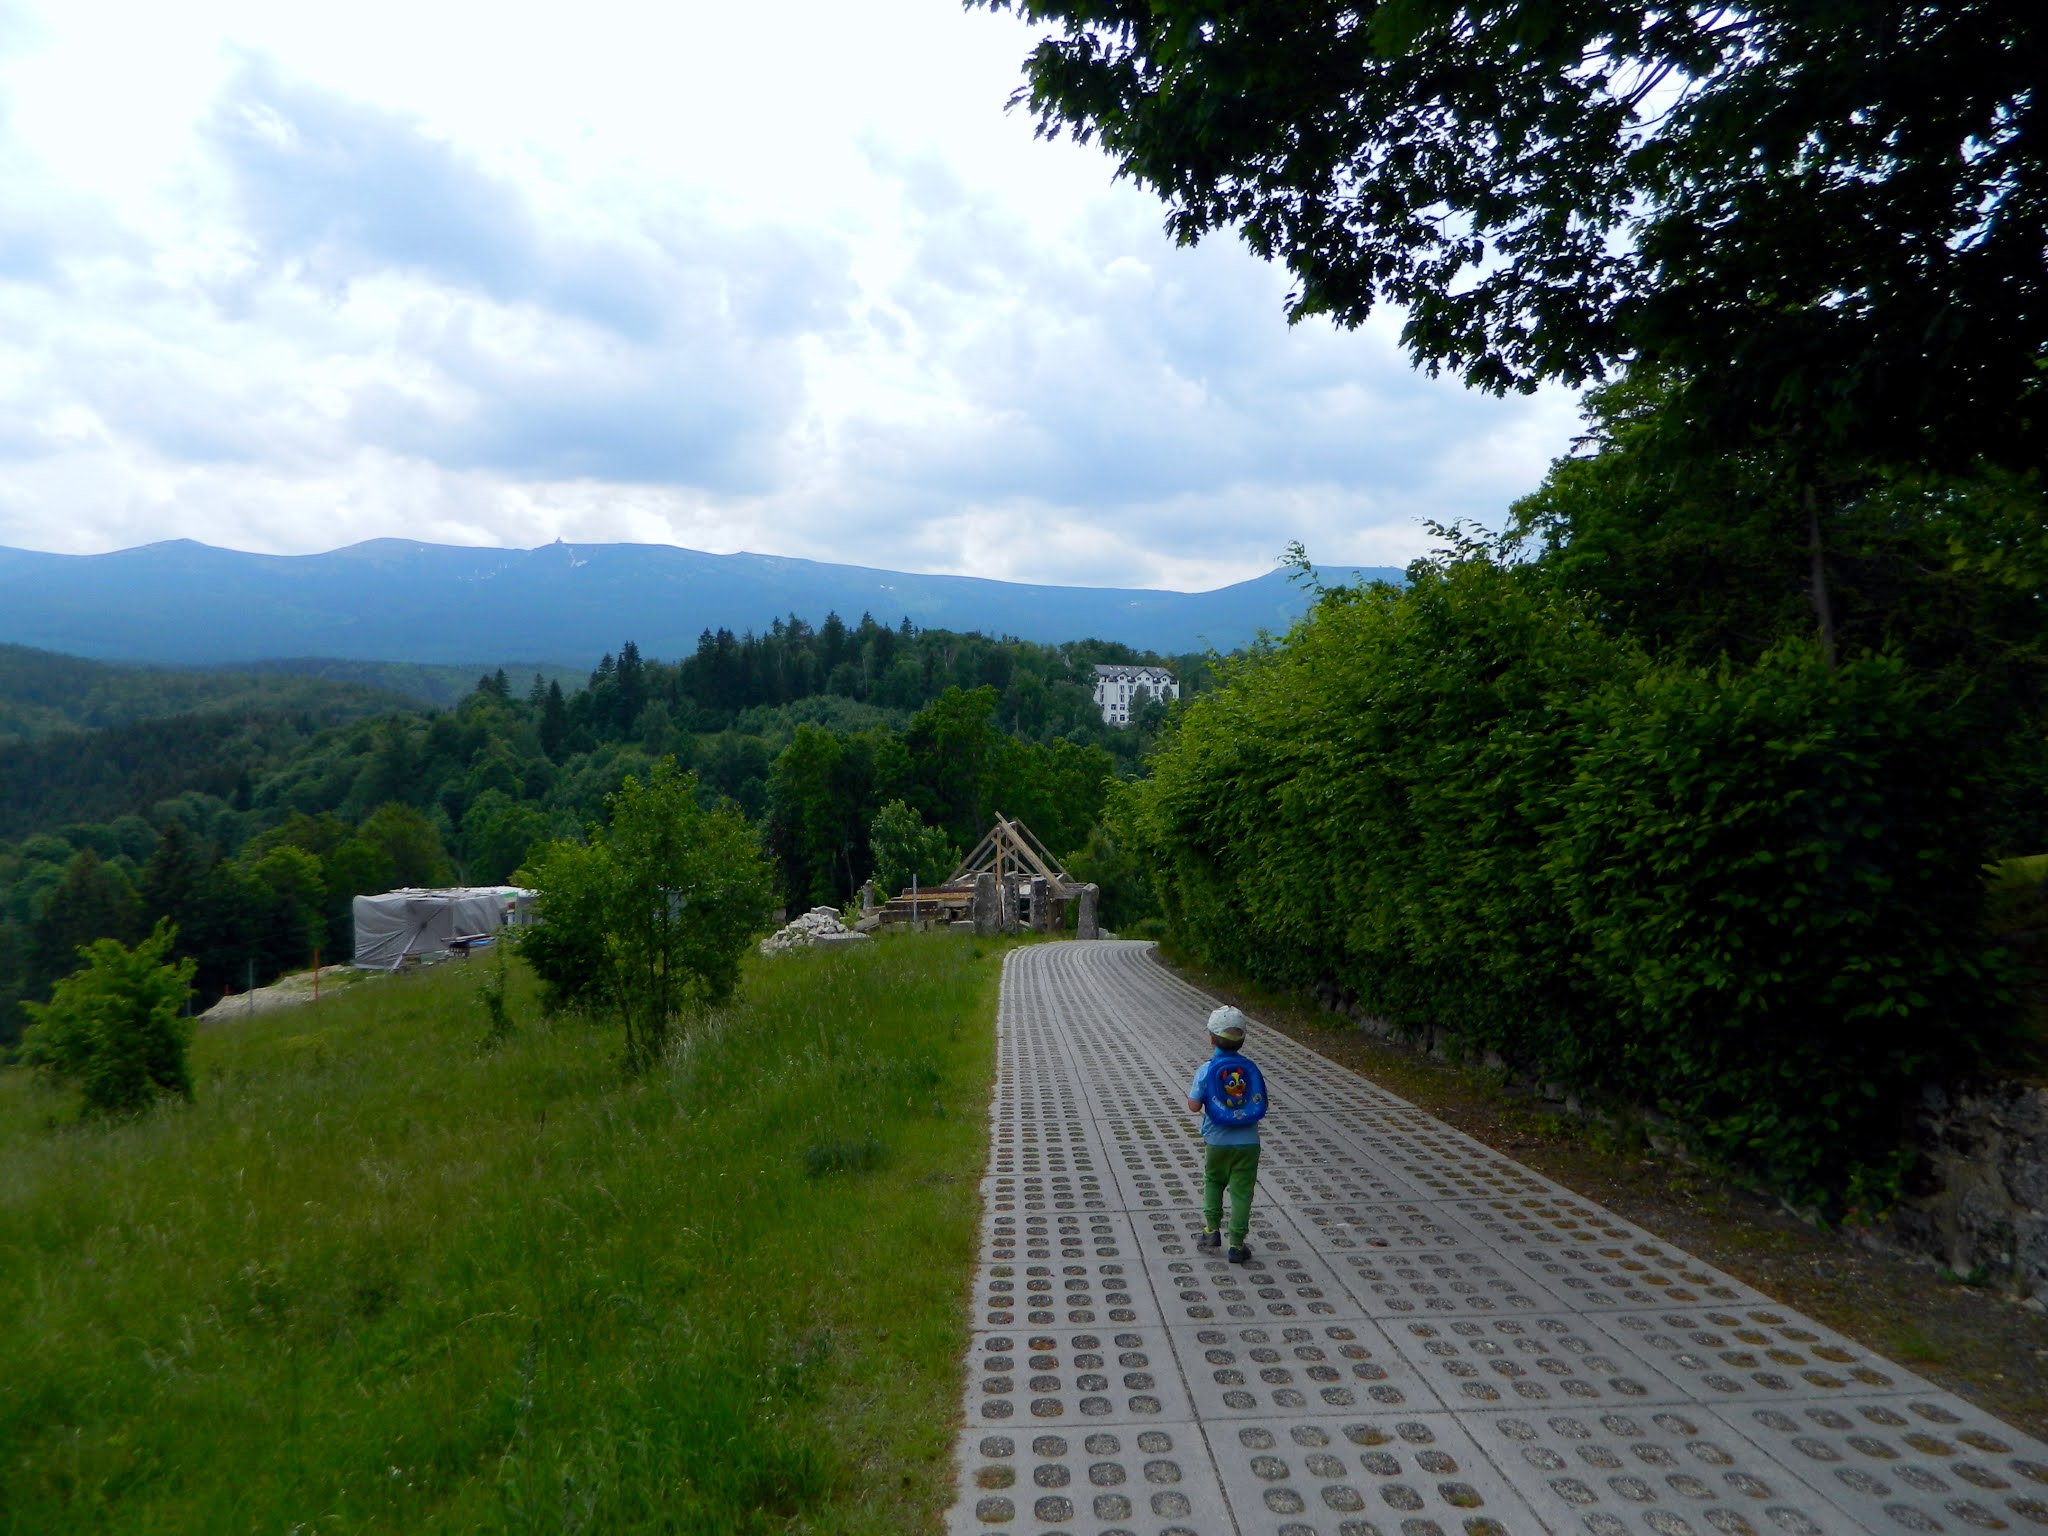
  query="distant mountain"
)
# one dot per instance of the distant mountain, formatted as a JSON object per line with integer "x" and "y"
{"x": 393, "y": 600}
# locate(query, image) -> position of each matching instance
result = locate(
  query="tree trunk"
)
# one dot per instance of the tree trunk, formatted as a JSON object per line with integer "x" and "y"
{"x": 1823, "y": 607}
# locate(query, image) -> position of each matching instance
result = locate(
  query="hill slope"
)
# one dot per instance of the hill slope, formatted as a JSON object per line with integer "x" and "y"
{"x": 393, "y": 600}
{"x": 42, "y": 693}
{"x": 546, "y": 1297}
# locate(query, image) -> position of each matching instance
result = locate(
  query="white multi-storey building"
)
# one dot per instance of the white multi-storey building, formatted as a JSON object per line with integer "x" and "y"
{"x": 1119, "y": 690}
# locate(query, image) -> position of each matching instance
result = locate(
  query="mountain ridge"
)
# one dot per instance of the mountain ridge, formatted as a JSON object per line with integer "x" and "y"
{"x": 182, "y": 602}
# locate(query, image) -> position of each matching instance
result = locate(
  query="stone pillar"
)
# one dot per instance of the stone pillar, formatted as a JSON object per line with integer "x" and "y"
{"x": 988, "y": 906}
{"x": 867, "y": 897}
{"x": 1088, "y": 922}
{"x": 1041, "y": 904}
{"x": 1011, "y": 923}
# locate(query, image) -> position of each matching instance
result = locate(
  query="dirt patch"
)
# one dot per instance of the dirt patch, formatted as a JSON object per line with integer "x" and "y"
{"x": 286, "y": 992}
{"x": 1987, "y": 1349}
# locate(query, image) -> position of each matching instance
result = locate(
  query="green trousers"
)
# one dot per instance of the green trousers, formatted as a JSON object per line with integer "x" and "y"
{"x": 1238, "y": 1169}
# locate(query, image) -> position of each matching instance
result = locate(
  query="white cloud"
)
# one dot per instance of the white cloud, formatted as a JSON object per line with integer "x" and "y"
{"x": 783, "y": 277}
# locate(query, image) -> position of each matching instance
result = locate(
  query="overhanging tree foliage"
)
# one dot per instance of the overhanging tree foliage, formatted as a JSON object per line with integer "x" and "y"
{"x": 1823, "y": 219}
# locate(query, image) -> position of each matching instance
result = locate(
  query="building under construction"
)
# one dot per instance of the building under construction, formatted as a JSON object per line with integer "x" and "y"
{"x": 1009, "y": 883}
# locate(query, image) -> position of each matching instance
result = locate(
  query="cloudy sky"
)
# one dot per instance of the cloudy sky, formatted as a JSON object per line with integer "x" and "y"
{"x": 782, "y": 276}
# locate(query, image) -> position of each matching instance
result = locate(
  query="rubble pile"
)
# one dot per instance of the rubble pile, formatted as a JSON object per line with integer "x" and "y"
{"x": 820, "y": 925}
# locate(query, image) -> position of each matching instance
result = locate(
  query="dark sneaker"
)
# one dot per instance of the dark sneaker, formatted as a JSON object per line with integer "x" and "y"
{"x": 1210, "y": 1240}
{"x": 1242, "y": 1254}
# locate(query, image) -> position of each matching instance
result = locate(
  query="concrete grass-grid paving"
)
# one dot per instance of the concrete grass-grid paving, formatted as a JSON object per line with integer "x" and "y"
{"x": 1430, "y": 1340}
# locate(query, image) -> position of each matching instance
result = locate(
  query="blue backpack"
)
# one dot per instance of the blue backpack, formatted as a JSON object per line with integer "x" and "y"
{"x": 1234, "y": 1093}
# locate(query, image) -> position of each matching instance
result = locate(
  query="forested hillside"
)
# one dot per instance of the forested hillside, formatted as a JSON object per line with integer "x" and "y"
{"x": 252, "y": 827}
{"x": 42, "y": 692}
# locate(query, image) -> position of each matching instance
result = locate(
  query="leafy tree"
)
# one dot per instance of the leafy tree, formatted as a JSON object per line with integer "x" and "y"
{"x": 293, "y": 898}
{"x": 656, "y": 729}
{"x": 411, "y": 843}
{"x": 904, "y": 847}
{"x": 652, "y": 917}
{"x": 951, "y": 741}
{"x": 497, "y": 832}
{"x": 171, "y": 878}
{"x": 14, "y": 980}
{"x": 1823, "y": 219}
{"x": 567, "y": 948}
{"x": 1126, "y": 893}
{"x": 113, "y": 1027}
{"x": 391, "y": 773}
{"x": 94, "y": 900}
{"x": 821, "y": 796}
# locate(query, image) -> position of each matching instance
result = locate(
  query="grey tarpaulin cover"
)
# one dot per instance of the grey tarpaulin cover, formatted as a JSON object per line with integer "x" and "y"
{"x": 420, "y": 922}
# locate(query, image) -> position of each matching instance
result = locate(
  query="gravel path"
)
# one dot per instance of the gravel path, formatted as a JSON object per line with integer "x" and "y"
{"x": 1430, "y": 1340}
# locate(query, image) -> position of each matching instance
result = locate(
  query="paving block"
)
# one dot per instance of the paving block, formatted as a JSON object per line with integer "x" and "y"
{"x": 1109, "y": 1479}
{"x": 1236, "y": 1369}
{"x": 1923, "y": 1462}
{"x": 1063, "y": 1293}
{"x": 1759, "y": 1350}
{"x": 1335, "y": 1178}
{"x": 1624, "y": 1276}
{"x": 1649, "y": 1472}
{"x": 1547, "y": 1359}
{"x": 1167, "y": 1237}
{"x": 1418, "y": 1474}
{"x": 1406, "y": 1225}
{"x": 1072, "y": 1374}
{"x": 1032, "y": 1193}
{"x": 1274, "y": 1285}
{"x": 1440, "y": 1282}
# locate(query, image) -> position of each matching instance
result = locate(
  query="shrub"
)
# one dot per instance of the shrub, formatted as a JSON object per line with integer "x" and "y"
{"x": 1744, "y": 897}
{"x": 113, "y": 1027}
{"x": 1772, "y": 879}
{"x": 651, "y": 917}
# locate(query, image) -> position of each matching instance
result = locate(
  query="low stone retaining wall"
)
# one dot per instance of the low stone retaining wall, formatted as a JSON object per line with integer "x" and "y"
{"x": 1977, "y": 1200}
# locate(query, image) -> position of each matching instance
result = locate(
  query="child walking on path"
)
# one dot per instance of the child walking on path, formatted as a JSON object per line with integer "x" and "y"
{"x": 1230, "y": 1095}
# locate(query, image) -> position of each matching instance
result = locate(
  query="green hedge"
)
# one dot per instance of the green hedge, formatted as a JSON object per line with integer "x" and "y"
{"x": 1748, "y": 900}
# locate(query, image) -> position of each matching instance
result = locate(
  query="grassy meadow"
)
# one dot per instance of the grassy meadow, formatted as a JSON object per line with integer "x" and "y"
{"x": 383, "y": 1277}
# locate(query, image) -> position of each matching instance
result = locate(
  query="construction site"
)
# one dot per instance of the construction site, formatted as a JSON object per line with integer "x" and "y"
{"x": 1008, "y": 883}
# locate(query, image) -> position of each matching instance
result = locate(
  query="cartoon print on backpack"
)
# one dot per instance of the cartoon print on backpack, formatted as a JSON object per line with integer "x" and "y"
{"x": 1237, "y": 1094}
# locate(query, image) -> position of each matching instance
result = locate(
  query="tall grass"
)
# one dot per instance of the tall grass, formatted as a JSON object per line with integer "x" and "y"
{"x": 379, "y": 1277}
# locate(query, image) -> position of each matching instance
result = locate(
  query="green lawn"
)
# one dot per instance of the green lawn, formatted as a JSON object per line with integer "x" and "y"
{"x": 377, "y": 1278}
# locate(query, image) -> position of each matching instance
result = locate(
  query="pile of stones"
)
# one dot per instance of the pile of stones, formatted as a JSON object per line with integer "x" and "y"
{"x": 820, "y": 925}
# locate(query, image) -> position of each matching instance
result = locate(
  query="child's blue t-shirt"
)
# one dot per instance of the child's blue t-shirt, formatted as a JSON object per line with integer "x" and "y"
{"x": 1220, "y": 1135}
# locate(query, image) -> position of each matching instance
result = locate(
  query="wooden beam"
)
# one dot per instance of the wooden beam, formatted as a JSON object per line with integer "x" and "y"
{"x": 1052, "y": 870}
{"x": 967, "y": 866}
{"x": 1029, "y": 856}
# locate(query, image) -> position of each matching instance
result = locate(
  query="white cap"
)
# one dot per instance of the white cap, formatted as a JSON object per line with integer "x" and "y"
{"x": 1227, "y": 1023}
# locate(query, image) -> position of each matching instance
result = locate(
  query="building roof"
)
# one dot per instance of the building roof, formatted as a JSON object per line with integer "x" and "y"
{"x": 1117, "y": 672}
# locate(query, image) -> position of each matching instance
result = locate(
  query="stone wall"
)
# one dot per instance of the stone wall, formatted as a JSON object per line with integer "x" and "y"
{"x": 1977, "y": 1200}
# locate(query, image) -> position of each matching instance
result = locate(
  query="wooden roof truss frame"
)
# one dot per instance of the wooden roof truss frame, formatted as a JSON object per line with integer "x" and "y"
{"x": 1010, "y": 848}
